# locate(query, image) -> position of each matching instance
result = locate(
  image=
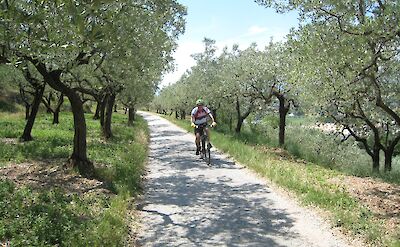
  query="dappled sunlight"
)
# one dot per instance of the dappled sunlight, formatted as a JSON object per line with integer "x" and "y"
{"x": 188, "y": 202}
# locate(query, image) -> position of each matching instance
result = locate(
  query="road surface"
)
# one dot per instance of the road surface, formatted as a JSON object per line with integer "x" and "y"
{"x": 188, "y": 203}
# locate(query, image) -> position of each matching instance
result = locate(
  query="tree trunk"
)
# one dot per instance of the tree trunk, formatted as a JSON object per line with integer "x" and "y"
{"x": 239, "y": 125}
{"x": 26, "y": 136}
{"x": 109, "y": 110}
{"x": 375, "y": 159}
{"x": 131, "y": 116}
{"x": 56, "y": 112}
{"x": 240, "y": 117}
{"x": 115, "y": 108}
{"x": 389, "y": 153}
{"x": 97, "y": 112}
{"x": 176, "y": 114}
{"x": 27, "y": 110}
{"x": 388, "y": 160}
{"x": 49, "y": 98}
{"x": 283, "y": 110}
{"x": 183, "y": 114}
{"x": 103, "y": 109}
{"x": 79, "y": 157}
{"x": 56, "y": 117}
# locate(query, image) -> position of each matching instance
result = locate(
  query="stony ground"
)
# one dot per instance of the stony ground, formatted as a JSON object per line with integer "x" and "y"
{"x": 188, "y": 203}
{"x": 382, "y": 199}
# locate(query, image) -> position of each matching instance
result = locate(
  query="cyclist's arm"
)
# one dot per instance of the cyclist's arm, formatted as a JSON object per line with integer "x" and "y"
{"x": 211, "y": 116}
{"x": 192, "y": 120}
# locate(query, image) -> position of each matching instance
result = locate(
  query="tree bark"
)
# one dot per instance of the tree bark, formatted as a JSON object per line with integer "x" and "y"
{"x": 131, "y": 116}
{"x": 389, "y": 151}
{"x": 25, "y": 100}
{"x": 79, "y": 155}
{"x": 26, "y": 136}
{"x": 388, "y": 160}
{"x": 97, "y": 112}
{"x": 48, "y": 99}
{"x": 27, "y": 110}
{"x": 283, "y": 110}
{"x": 103, "y": 109}
{"x": 375, "y": 159}
{"x": 109, "y": 110}
{"x": 56, "y": 112}
{"x": 240, "y": 117}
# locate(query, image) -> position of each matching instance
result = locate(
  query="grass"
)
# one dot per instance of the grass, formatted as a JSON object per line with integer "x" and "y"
{"x": 48, "y": 218}
{"x": 313, "y": 145}
{"x": 309, "y": 181}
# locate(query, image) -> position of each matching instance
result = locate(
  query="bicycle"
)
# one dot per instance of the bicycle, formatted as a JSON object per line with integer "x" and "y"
{"x": 205, "y": 144}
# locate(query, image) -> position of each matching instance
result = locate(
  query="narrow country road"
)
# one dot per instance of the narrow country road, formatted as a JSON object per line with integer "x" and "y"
{"x": 188, "y": 203}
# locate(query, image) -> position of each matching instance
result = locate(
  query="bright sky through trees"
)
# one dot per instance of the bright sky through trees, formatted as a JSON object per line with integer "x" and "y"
{"x": 228, "y": 22}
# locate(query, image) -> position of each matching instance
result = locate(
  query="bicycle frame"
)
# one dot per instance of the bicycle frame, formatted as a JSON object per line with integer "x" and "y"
{"x": 205, "y": 145}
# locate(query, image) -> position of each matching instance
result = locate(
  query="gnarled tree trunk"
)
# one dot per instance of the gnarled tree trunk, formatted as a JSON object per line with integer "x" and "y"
{"x": 97, "y": 112}
{"x": 78, "y": 157}
{"x": 56, "y": 111}
{"x": 109, "y": 111}
{"x": 26, "y": 136}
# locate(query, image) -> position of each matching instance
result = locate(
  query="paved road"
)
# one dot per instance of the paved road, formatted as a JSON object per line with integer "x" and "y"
{"x": 188, "y": 203}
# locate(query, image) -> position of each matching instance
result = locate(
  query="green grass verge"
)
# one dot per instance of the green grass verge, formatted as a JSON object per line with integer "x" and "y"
{"x": 310, "y": 182}
{"x": 51, "y": 218}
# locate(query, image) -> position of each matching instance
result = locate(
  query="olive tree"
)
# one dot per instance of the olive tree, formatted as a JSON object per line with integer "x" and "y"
{"x": 347, "y": 55}
{"x": 58, "y": 37}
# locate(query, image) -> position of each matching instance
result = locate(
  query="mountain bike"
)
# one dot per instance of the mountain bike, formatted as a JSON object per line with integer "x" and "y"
{"x": 205, "y": 144}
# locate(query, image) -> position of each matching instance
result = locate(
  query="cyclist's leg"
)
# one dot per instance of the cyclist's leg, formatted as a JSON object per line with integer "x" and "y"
{"x": 208, "y": 137}
{"x": 197, "y": 142}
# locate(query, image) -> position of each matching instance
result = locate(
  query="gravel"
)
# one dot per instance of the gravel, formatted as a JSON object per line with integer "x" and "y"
{"x": 188, "y": 203}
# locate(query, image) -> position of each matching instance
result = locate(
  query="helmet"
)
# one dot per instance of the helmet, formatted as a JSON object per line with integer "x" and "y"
{"x": 199, "y": 102}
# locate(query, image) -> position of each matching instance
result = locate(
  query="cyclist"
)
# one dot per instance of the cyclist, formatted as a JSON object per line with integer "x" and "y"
{"x": 200, "y": 115}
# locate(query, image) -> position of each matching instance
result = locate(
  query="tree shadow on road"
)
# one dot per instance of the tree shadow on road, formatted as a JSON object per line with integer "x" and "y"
{"x": 189, "y": 201}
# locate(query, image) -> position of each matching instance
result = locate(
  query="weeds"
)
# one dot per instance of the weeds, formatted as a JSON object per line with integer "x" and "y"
{"x": 48, "y": 218}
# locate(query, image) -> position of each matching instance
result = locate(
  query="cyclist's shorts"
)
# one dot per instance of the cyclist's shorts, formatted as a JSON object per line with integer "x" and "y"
{"x": 200, "y": 129}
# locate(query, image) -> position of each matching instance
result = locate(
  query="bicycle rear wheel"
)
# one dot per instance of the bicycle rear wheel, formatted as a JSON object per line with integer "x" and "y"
{"x": 208, "y": 156}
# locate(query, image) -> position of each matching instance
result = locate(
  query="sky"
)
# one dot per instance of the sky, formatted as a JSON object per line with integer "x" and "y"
{"x": 228, "y": 22}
